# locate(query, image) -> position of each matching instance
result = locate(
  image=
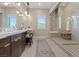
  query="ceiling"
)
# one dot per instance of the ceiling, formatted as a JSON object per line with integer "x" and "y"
{"x": 41, "y": 5}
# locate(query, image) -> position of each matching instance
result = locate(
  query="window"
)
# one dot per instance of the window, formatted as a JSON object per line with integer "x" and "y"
{"x": 11, "y": 22}
{"x": 41, "y": 23}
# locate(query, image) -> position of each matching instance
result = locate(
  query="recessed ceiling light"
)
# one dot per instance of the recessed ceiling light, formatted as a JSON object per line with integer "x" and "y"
{"x": 18, "y": 3}
{"x": 5, "y": 3}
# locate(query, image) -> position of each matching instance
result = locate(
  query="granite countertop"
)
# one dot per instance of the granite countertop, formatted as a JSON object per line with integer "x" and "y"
{"x": 9, "y": 33}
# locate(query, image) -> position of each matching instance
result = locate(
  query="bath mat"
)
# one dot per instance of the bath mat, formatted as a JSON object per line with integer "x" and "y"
{"x": 43, "y": 49}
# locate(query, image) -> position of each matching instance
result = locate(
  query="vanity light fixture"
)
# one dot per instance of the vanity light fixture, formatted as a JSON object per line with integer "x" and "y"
{"x": 5, "y": 3}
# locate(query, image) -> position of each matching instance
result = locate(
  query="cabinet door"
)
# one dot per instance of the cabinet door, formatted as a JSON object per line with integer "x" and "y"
{"x": 16, "y": 45}
{"x": 14, "y": 50}
{"x": 19, "y": 47}
{"x": 5, "y": 50}
{"x": 23, "y": 40}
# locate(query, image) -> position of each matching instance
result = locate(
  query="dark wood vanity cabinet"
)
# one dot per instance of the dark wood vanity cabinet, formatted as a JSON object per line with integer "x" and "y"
{"x": 5, "y": 47}
{"x": 13, "y": 45}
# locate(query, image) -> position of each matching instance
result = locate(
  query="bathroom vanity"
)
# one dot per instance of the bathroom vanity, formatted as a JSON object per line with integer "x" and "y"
{"x": 12, "y": 44}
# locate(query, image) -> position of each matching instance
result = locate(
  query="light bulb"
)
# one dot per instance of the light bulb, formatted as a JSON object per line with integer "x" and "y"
{"x": 25, "y": 12}
{"x": 17, "y": 12}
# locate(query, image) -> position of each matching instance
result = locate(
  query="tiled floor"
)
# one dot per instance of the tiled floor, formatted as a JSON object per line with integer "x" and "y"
{"x": 58, "y": 51}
